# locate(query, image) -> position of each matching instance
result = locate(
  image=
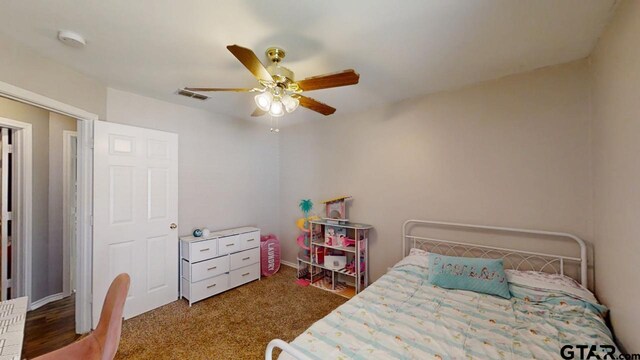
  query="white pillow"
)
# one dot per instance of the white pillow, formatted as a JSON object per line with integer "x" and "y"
{"x": 415, "y": 260}
{"x": 554, "y": 282}
{"x": 416, "y": 251}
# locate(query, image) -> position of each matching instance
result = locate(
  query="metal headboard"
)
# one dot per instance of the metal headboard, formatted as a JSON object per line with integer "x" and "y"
{"x": 513, "y": 258}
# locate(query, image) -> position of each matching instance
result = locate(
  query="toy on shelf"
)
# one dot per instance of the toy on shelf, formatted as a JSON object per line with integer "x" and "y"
{"x": 318, "y": 255}
{"x": 304, "y": 239}
{"x": 333, "y": 235}
{"x": 351, "y": 266}
{"x": 345, "y": 241}
{"x": 335, "y": 262}
{"x": 336, "y": 209}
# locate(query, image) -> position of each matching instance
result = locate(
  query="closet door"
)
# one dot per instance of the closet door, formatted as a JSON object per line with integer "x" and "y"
{"x": 135, "y": 215}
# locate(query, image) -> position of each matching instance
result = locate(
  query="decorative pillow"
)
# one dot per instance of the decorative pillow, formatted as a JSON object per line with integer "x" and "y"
{"x": 474, "y": 274}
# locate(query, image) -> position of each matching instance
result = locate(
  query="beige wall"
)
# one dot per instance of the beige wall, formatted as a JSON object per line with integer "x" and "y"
{"x": 40, "y": 249}
{"x": 512, "y": 152}
{"x": 57, "y": 124}
{"x": 22, "y": 67}
{"x": 228, "y": 168}
{"x": 616, "y": 134}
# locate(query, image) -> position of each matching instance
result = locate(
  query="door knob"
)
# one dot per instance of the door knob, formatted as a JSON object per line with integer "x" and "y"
{"x": 173, "y": 226}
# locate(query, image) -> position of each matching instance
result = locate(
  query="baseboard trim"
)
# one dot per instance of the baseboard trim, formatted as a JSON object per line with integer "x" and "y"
{"x": 288, "y": 263}
{"x": 45, "y": 300}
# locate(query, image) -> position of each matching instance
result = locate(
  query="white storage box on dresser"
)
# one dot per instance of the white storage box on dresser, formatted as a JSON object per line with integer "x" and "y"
{"x": 221, "y": 261}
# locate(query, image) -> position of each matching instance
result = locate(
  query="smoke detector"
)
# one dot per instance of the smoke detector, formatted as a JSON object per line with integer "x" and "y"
{"x": 71, "y": 38}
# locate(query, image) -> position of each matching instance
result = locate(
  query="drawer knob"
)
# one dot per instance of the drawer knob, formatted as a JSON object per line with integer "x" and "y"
{"x": 250, "y": 240}
{"x": 210, "y": 286}
{"x": 230, "y": 244}
{"x": 247, "y": 258}
{"x": 245, "y": 274}
{"x": 212, "y": 268}
{"x": 203, "y": 250}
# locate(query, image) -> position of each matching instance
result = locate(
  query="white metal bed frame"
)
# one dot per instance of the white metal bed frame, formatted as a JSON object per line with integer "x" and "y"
{"x": 513, "y": 258}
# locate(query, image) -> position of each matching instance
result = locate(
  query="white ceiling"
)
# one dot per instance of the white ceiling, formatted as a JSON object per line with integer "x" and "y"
{"x": 402, "y": 49}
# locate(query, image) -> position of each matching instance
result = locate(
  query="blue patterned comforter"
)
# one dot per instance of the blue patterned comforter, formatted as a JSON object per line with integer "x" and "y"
{"x": 402, "y": 316}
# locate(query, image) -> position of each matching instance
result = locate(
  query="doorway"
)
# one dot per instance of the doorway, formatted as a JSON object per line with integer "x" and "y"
{"x": 27, "y": 206}
{"x": 41, "y": 267}
{"x": 6, "y": 223}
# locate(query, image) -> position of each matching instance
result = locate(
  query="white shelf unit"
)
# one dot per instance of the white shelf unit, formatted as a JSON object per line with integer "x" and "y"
{"x": 317, "y": 273}
{"x": 221, "y": 261}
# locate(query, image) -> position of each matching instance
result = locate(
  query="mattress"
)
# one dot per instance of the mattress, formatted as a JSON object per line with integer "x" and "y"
{"x": 402, "y": 316}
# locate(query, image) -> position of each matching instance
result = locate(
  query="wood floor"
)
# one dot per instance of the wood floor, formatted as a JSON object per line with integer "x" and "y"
{"x": 49, "y": 328}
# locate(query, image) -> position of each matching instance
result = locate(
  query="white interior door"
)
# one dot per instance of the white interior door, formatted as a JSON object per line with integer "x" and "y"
{"x": 135, "y": 212}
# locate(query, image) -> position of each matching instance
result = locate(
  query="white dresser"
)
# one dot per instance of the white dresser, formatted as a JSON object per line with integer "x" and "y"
{"x": 221, "y": 261}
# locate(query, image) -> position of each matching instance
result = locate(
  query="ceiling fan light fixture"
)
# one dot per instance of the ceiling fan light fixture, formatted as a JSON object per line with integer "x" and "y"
{"x": 276, "y": 109}
{"x": 290, "y": 103}
{"x": 264, "y": 100}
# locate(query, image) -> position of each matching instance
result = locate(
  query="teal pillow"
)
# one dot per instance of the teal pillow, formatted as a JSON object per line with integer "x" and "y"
{"x": 474, "y": 274}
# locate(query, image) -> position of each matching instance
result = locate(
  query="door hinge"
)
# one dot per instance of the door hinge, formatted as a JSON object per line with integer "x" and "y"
{"x": 9, "y": 215}
{"x": 10, "y": 149}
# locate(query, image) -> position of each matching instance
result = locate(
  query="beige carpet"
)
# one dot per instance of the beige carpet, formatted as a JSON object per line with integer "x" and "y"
{"x": 236, "y": 324}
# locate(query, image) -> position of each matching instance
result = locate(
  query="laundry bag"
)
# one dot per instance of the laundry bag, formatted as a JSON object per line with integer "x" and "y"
{"x": 269, "y": 255}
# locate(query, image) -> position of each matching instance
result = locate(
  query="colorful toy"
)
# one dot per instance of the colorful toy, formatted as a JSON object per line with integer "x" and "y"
{"x": 270, "y": 255}
{"x": 304, "y": 239}
{"x": 332, "y": 235}
{"x": 345, "y": 241}
{"x": 351, "y": 266}
{"x": 318, "y": 255}
{"x": 335, "y": 262}
{"x": 336, "y": 209}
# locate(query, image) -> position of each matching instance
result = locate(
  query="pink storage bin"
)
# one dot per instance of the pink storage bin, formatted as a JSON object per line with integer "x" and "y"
{"x": 269, "y": 255}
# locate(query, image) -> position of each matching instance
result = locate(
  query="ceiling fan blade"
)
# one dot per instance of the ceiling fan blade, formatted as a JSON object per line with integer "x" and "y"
{"x": 258, "y": 112}
{"x": 343, "y": 78}
{"x": 219, "y": 89}
{"x": 249, "y": 59}
{"x": 316, "y": 105}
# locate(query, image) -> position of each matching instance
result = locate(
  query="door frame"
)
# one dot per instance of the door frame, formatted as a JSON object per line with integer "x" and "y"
{"x": 84, "y": 235}
{"x": 67, "y": 245}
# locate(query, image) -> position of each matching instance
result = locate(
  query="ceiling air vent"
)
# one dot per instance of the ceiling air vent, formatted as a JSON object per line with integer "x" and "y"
{"x": 191, "y": 94}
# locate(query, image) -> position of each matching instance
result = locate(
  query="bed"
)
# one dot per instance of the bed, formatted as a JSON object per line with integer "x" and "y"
{"x": 403, "y": 316}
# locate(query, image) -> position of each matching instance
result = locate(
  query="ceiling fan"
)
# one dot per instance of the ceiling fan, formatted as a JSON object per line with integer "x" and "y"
{"x": 279, "y": 92}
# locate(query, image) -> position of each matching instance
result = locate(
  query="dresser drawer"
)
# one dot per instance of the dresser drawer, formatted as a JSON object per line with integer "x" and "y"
{"x": 203, "y": 250}
{"x": 244, "y": 275}
{"x": 229, "y": 244}
{"x": 244, "y": 258}
{"x": 205, "y": 288}
{"x": 250, "y": 240}
{"x": 206, "y": 269}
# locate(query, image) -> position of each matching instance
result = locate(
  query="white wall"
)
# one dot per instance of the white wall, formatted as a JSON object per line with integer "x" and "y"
{"x": 57, "y": 124}
{"x": 616, "y": 133}
{"x": 512, "y": 152}
{"x": 228, "y": 168}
